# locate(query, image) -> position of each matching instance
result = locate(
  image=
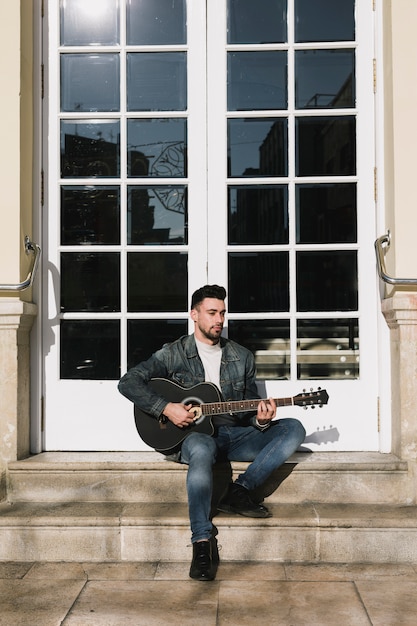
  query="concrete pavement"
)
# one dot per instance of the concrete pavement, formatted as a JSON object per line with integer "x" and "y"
{"x": 243, "y": 594}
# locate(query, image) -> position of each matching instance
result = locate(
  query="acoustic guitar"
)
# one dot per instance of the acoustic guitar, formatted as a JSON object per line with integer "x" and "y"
{"x": 207, "y": 401}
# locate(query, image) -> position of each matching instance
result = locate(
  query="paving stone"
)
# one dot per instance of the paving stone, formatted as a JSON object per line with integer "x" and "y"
{"x": 145, "y": 603}
{"x": 290, "y": 604}
{"x": 36, "y": 602}
{"x": 14, "y": 570}
{"x": 390, "y": 602}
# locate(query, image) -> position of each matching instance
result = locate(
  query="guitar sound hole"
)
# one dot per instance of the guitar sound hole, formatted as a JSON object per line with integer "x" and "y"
{"x": 196, "y": 402}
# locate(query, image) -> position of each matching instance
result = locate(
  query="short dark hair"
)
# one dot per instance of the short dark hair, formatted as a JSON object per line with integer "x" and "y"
{"x": 208, "y": 291}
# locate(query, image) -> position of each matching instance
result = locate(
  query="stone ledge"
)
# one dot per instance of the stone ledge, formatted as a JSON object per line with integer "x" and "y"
{"x": 310, "y": 514}
{"x": 331, "y": 477}
{"x": 108, "y": 532}
{"x": 148, "y": 461}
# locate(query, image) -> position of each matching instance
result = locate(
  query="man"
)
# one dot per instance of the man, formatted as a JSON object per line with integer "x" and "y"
{"x": 250, "y": 436}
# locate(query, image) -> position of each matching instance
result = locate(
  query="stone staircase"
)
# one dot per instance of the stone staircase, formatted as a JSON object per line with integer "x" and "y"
{"x": 330, "y": 507}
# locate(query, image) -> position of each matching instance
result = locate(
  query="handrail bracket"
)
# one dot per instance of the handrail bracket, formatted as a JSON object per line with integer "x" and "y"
{"x": 30, "y": 248}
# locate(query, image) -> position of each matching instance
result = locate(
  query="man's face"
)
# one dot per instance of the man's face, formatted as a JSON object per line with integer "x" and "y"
{"x": 209, "y": 319}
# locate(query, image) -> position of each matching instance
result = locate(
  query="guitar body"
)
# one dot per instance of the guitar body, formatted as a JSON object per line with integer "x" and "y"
{"x": 164, "y": 436}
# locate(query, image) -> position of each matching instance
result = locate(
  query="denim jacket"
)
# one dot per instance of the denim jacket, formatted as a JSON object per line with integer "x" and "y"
{"x": 180, "y": 362}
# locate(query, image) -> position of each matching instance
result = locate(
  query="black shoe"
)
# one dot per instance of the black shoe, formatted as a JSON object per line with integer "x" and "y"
{"x": 205, "y": 560}
{"x": 238, "y": 500}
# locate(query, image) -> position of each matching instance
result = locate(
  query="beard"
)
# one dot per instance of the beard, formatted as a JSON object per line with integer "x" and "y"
{"x": 213, "y": 334}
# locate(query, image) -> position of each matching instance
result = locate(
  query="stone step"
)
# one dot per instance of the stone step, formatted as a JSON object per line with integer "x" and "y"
{"x": 328, "y": 477}
{"x": 143, "y": 531}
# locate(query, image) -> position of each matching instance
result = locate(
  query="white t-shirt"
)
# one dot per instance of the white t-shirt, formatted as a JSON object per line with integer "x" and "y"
{"x": 211, "y": 356}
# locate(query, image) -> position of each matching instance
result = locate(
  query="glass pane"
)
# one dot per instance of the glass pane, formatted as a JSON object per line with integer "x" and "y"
{"x": 90, "y": 148}
{"x": 90, "y": 215}
{"x": 157, "y": 282}
{"x": 258, "y": 214}
{"x": 327, "y": 281}
{"x": 263, "y": 21}
{"x": 324, "y": 79}
{"x": 157, "y": 81}
{"x": 90, "y": 349}
{"x": 257, "y": 80}
{"x": 157, "y": 147}
{"x": 258, "y": 282}
{"x": 326, "y": 213}
{"x": 90, "y": 281}
{"x": 324, "y": 20}
{"x": 90, "y": 82}
{"x": 257, "y": 147}
{"x": 89, "y": 22}
{"x": 152, "y": 22}
{"x": 144, "y": 337}
{"x": 325, "y": 146}
{"x": 328, "y": 348}
{"x": 157, "y": 215}
{"x": 269, "y": 340}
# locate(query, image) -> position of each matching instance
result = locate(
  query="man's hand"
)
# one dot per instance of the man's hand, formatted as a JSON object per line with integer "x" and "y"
{"x": 267, "y": 410}
{"x": 179, "y": 414}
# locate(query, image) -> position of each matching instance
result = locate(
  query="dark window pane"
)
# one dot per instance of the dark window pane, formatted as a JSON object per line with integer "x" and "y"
{"x": 89, "y": 22}
{"x": 328, "y": 348}
{"x": 326, "y": 213}
{"x": 269, "y": 340}
{"x": 258, "y": 214}
{"x": 258, "y": 282}
{"x": 325, "y": 146}
{"x": 90, "y": 349}
{"x": 257, "y": 80}
{"x": 90, "y": 148}
{"x": 327, "y": 281}
{"x": 90, "y": 281}
{"x": 157, "y": 282}
{"x": 324, "y": 79}
{"x": 90, "y": 215}
{"x": 157, "y": 215}
{"x": 263, "y": 21}
{"x": 257, "y": 147}
{"x": 324, "y": 20}
{"x": 157, "y": 81}
{"x": 152, "y": 22}
{"x": 90, "y": 82}
{"x": 144, "y": 337}
{"x": 157, "y": 147}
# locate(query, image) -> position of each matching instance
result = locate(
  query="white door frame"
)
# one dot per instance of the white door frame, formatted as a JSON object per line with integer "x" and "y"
{"x": 211, "y": 201}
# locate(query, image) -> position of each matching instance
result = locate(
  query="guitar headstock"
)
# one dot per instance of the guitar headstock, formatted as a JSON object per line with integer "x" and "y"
{"x": 311, "y": 398}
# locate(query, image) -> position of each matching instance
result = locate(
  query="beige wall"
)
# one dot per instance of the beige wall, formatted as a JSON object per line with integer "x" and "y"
{"x": 400, "y": 98}
{"x": 16, "y": 46}
{"x": 10, "y": 142}
{"x": 16, "y": 317}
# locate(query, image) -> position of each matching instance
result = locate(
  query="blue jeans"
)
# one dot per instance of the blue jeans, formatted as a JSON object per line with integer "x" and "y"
{"x": 264, "y": 450}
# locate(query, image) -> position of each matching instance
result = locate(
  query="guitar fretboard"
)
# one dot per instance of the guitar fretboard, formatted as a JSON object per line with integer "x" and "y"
{"x": 218, "y": 408}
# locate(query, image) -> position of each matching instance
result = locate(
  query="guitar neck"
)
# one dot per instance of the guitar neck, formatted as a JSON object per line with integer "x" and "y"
{"x": 218, "y": 408}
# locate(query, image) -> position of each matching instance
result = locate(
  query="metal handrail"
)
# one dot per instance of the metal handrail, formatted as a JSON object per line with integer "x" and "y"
{"x": 33, "y": 248}
{"x": 402, "y": 282}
